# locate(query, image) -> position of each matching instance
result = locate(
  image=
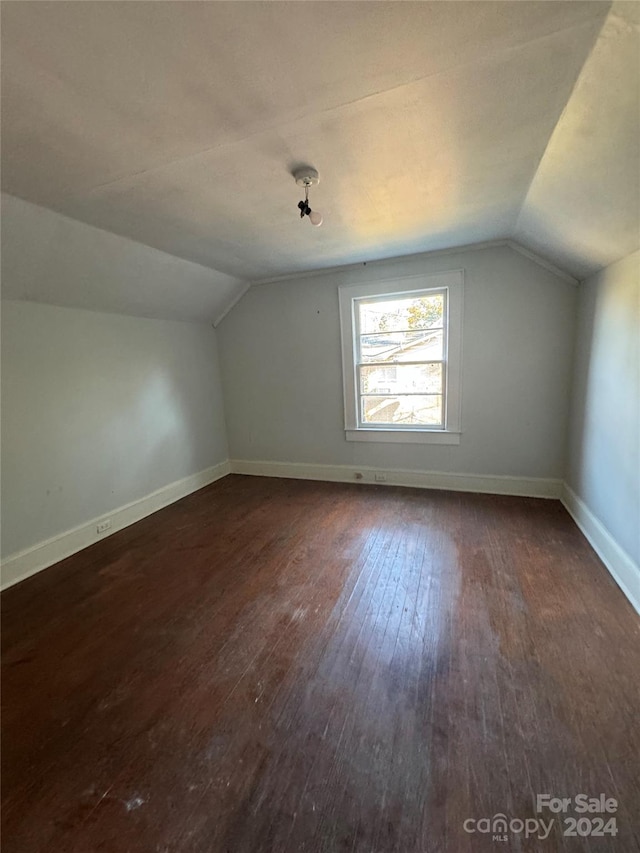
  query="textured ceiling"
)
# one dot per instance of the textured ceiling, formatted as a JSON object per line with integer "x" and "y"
{"x": 177, "y": 124}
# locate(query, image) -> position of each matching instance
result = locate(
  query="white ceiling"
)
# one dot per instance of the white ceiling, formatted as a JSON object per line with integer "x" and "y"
{"x": 432, "y": 125}
{"x": 583, "y": 206}
{"x": 50, "y": 258}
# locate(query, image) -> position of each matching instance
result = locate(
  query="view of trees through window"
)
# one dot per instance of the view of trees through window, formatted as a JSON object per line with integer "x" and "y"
{"x": 401, "y": 360}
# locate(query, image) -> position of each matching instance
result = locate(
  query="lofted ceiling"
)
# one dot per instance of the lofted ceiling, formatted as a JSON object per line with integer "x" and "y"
{"x": 583, "y": 206}
{"x": 432, "y": 124}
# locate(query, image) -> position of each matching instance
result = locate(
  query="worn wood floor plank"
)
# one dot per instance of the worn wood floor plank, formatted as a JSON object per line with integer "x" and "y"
{"x": 276, "y": 666}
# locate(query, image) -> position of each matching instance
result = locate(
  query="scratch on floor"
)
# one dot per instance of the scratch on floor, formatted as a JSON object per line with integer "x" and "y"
{"x": 133, "y": 804}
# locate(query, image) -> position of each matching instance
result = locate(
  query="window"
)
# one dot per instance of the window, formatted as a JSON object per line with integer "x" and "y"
{"x": 401, "y": 351}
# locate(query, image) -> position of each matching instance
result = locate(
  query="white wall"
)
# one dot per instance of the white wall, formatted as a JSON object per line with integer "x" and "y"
{"x": 604, "y": 442}
{"x": 281, "y": 369}
{"x": 99, "y": 410}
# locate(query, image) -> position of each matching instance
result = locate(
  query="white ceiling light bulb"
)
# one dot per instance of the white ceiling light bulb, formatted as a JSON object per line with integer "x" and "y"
{"x": 307, "y": 177}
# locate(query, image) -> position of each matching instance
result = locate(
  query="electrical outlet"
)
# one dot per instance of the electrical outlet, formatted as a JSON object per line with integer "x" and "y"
{"x": 103, "y": 525}
{"x": 381, "y": 478}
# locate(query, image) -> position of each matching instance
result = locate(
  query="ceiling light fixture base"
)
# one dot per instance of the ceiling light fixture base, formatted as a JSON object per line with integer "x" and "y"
{"x": 306, "y": 177}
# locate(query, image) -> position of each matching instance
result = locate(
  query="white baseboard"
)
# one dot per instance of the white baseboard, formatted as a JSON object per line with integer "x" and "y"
{"x": 21, "y": 565}
{"x": 532, "y": 487}
{"x": 622, "y": 568}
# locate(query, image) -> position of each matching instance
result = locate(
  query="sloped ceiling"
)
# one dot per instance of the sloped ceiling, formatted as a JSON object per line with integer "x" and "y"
{"x": 51, "y": 258}
{"x": 583, "y": 206}
{"x": 432, "y": 125}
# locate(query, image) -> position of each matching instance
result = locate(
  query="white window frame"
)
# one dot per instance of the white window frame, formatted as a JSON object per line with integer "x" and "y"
{"x": 453, "y": 283}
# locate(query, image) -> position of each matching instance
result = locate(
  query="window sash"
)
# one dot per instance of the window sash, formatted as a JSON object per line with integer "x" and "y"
{"x": 362, "y": 424}
{"x": 403, "y": 394}
{"x": 402, "y": 331}
{"x": 386, "y": 425}
{"x": 358, "y": 363}
{"x": 362, "y": 286}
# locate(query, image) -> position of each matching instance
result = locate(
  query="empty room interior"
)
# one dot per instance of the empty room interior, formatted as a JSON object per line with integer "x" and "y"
{"x": 320, "y": 426}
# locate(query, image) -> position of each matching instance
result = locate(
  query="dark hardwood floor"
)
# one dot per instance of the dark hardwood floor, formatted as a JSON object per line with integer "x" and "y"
{"x": 288, "y": 666}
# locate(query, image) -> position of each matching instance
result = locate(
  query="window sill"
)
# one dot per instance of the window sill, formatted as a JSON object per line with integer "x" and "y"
{"x": 404, "y": 436}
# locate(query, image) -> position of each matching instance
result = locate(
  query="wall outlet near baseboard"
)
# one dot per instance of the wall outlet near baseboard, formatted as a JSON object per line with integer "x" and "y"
{"x": 103, "y": 525}
{"x": 380, "y": 478}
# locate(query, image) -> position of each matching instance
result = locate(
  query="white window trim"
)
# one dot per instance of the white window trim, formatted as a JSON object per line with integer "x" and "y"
{"x": 453, "y": 282}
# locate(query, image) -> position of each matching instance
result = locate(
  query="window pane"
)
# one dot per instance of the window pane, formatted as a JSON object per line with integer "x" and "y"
{"x": 391, "y": 315}
{"x": 401, "y": 379}
{"x": 402, "y": 346}
{"x": 399, "y": 410}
